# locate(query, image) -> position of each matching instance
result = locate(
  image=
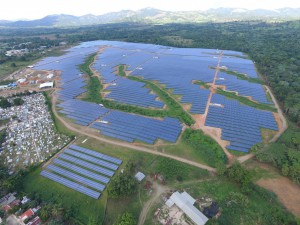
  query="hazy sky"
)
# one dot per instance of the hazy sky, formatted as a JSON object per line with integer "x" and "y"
{"x": 33, "y": 9}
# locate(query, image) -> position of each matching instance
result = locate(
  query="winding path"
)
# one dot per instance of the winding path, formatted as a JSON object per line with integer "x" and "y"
{"x": 281, "y": 116}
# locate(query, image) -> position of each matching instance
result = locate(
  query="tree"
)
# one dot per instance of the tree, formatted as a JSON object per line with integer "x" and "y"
{"x": 2, "y": 213}
{"x": 13, "y": 65}
{"x": 125, "y": 219}
{"x": 237, "y": 173}
{"x": 45, "y": 213}
{"x": 4, "y": 103}
{"x": 18, "y": 101}
{"x": 92, "y": 221}
{"x": 122, "y": 185}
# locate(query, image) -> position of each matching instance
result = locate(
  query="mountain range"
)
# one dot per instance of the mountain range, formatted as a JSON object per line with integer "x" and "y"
{"x": 156, "y": 16}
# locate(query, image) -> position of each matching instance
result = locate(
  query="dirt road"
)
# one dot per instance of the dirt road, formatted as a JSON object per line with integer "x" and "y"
{"x": 280, "y": 113}
{"x": 157, "y": 191}
{"x": 84, "y": 131}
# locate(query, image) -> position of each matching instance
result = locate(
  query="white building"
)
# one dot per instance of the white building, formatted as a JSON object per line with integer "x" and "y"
{"x": 186, "y": 203}
{"x": 47, "y": 85}
{"x": 50, "y": 76}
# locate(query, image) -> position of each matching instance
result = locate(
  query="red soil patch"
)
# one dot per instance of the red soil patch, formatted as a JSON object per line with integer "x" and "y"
{"x": 288, "y": 193}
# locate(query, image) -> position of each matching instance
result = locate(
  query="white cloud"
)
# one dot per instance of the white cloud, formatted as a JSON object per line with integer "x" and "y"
{"x": 33, "y": 9}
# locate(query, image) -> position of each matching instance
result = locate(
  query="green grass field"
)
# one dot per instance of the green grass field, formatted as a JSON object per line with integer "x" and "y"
{"x": 198, "y": 147}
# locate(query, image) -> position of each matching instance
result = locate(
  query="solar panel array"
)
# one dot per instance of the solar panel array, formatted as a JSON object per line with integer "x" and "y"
{"x": 129, "y": 127}
{"x": 240, "y": 65}
{"x": 132, "y": 93}
{"x": 83, "y": 113}
{"x": 83, "y": 170}
{"x": 124, "y": 90}
{"x": 243, "y": 87}
{"x": 175, "y": 71}
{"x": 240, "y": 124}
{"x": 176, "y": 68}
{"x": 72, "y": 80}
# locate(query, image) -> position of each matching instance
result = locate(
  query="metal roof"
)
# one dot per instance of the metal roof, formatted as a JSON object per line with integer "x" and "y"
{"x": 185, "y": 202}
{"x": 140, "y": 176}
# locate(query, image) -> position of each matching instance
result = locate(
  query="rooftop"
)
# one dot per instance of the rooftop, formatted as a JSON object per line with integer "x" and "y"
{"x": 186, "y": 203}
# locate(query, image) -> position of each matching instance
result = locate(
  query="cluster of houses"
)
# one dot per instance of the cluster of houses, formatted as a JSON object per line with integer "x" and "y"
{"x": 30, "y": 133}
{"x": 28, "y": 217}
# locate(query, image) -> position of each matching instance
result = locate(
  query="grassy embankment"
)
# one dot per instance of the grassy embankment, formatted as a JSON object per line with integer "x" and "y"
{"x": 246, "y": 101}
{"x": 208, "y": 151}
{"x": 94, "y": 87}
{"x": 60, "y": 128}
{"x": 241, "y": 99}
{"x": 242, "y": 76}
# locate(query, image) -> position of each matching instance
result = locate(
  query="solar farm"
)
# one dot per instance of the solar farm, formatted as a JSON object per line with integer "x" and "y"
{"x": 82, "y": 170}
{"x": 176, "y": 69}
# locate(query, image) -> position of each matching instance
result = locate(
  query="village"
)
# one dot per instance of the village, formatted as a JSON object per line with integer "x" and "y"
{"x": 18, "y": 210}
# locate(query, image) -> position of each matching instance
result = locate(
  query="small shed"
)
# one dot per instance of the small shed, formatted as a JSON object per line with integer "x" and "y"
{"x": 140, "y": 176}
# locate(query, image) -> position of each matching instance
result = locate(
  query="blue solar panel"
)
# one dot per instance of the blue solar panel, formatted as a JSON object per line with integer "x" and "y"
{"x": 75, "y": 177}
{"x": 92, "y": 159}
{"x": 97, "y": 154}
{"x": 71, "y": 184}
{"x": 240, "y": 124}
{"x": 82, "y": 171}
{"x": 177, "y": 69}
{"x": 86, "y": 164}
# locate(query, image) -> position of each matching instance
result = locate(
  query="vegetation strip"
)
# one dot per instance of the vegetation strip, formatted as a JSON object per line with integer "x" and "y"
{"x": 175, "y": 109}
{"x": 246, "y": 101}
{"x": 94, "y": 87}
{"x": 242, "y": 76}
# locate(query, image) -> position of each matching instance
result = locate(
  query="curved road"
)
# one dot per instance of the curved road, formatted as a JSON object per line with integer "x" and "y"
{"x": 280, "y": 113}
{"x": 126, "y": 145}
{"x": 244, "y": 158}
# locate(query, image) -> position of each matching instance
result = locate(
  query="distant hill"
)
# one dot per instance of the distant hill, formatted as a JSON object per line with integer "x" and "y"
{"x": 155, "y": 16}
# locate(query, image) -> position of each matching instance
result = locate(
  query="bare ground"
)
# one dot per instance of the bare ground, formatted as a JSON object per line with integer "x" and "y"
{"x": 158, "y": 190}
{"x": 287, "y": 192}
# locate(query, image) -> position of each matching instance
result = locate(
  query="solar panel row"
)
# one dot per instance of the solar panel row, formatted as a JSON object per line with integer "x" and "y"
{"x": 91, "y": 159}
{"x": 71, "y": 184}
{"x": 82, "y": 171}
{"x": 86, "y": 164}
{"x": 75, "y": 172}
{"x": 130, "y": 127}
{"x": 240, "y": 124}
{"x": 96, "y": 154}
{"x": 75, "y": 177}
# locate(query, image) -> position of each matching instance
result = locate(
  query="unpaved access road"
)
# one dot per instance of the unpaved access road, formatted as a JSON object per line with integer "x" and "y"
{"x": 158, "y": 190}
{"x": 84, "y": 131}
